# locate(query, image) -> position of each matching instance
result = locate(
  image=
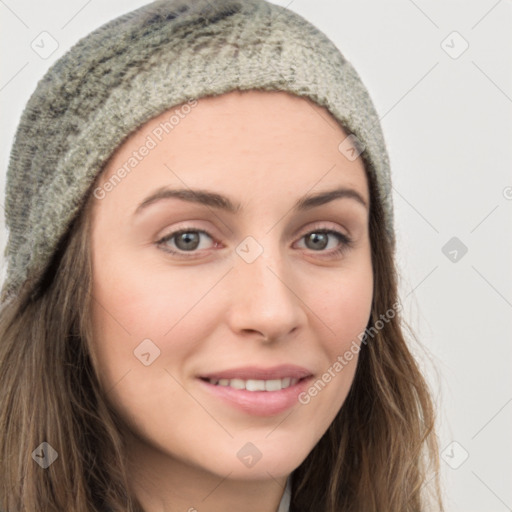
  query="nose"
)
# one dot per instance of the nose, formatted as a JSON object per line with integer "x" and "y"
{"x": 263, "y": 301}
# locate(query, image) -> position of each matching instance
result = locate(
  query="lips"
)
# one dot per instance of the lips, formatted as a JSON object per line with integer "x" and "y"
{"x": 258, "y": 391}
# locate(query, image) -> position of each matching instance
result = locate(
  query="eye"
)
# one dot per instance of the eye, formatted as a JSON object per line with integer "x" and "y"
{"x": 321, "y": 239}
{"x": 185, "y": 240}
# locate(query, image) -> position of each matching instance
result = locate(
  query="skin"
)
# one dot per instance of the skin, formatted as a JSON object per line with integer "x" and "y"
{"x": 211, "y": 310}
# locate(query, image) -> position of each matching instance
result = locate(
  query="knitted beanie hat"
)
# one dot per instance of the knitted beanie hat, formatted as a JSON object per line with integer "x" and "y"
{"x": 143, "y": 63}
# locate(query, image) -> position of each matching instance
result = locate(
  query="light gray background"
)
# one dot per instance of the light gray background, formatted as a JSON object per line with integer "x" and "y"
{"x": 447, "y": 121}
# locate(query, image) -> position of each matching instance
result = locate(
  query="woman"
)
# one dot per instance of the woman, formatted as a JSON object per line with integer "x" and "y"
{"x": 201, "y": 310}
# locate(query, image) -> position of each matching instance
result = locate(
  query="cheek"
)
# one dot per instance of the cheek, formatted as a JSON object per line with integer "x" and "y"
{"x": 157, "y": 313}
{"x": 341, "y": 308}
{"x": 344, "y": 304}
{"x": 133, "y": 304}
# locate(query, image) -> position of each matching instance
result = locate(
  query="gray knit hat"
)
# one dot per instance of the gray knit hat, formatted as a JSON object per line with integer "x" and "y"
{"x": 139, "y": 65}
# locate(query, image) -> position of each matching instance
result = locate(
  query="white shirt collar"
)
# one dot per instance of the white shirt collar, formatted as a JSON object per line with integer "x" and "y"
{"x": 284, "y": 505}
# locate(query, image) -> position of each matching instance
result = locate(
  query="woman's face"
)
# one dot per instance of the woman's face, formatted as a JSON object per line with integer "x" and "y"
{"x": 269, "y": 282}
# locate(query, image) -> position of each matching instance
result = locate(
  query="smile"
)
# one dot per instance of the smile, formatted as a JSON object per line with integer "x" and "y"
{"x": 257, "y": 391}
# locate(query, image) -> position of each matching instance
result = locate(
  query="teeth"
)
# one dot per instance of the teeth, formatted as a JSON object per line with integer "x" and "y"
{"x": 256, "y": 385}
{"x": 285, "y": 383}
{"x": 237, "y": 383}
{"x": 273, "y": 385}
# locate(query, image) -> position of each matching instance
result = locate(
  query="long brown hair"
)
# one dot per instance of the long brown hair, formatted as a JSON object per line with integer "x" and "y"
{"x": 376, "y": 456}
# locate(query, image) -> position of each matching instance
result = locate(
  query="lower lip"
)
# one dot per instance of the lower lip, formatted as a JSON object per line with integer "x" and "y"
{"x": 259, "y": 403}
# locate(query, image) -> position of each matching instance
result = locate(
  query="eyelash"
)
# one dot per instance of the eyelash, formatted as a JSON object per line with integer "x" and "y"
{"x": 345, "y": 242}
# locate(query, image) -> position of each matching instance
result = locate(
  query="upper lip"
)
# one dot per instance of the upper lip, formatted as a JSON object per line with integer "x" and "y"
{"x": 259, "y": 373}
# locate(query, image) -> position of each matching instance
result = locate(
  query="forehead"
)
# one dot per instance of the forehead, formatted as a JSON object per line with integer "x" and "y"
{"x": 254, "y": 141}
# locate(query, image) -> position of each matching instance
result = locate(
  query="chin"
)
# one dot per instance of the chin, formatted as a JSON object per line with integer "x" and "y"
{"x": 260, "y": 459}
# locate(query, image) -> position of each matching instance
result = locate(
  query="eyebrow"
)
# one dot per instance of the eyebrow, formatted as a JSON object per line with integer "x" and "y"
{"x": 221, "y": 202}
